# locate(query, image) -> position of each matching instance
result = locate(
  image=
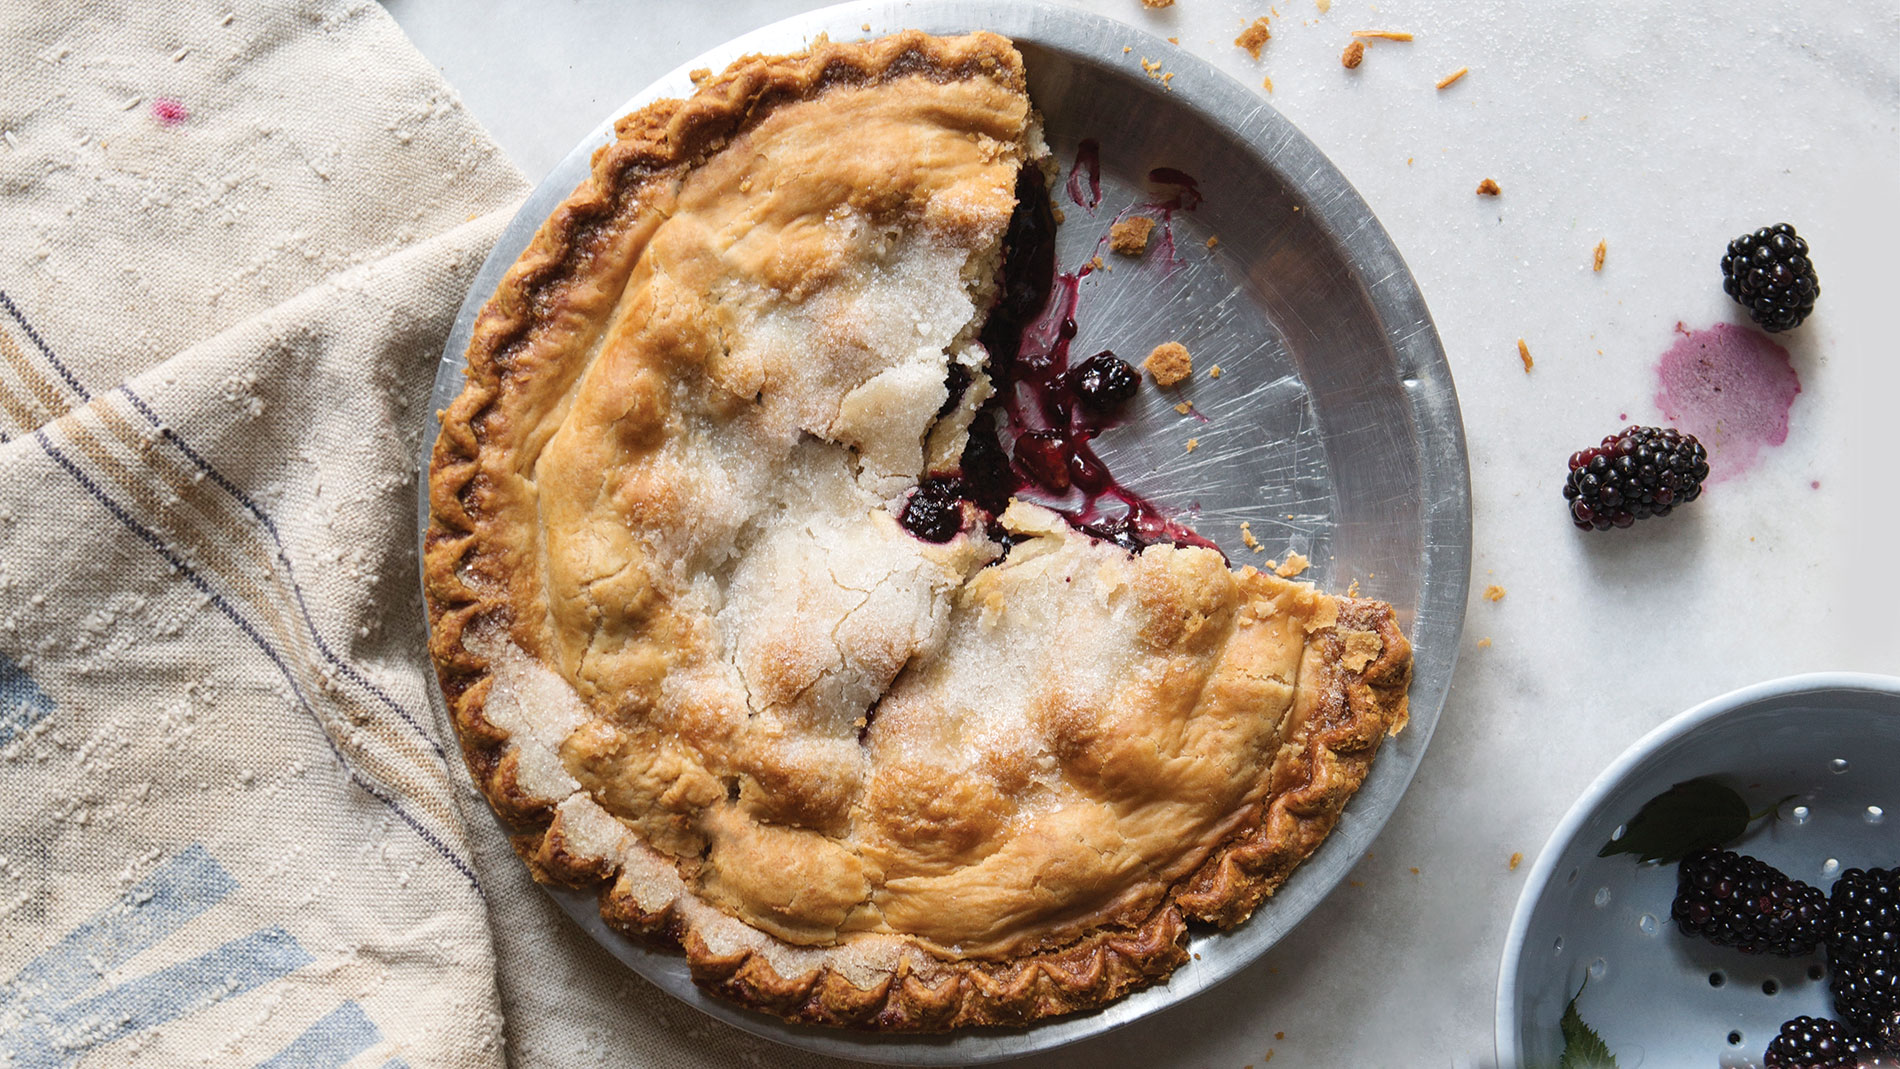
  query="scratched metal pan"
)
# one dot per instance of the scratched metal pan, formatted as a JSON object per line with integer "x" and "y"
{"x": 1332, "y": 431}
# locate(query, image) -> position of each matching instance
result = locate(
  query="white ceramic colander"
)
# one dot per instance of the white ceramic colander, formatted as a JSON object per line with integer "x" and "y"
{"x": 1657, "y": 997}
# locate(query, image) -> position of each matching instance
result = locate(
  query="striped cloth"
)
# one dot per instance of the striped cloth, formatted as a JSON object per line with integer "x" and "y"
{"x": 235, "y": 828}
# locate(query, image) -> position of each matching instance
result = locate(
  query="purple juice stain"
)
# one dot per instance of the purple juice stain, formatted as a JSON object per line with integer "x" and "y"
{"x": 1036, "y": 409}
{"x": 1088, "y": 155}
{"x": 1732, "y": 388}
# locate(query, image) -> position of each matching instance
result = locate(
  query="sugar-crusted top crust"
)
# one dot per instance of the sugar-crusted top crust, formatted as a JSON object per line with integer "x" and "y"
{"x": 862, "y": 779}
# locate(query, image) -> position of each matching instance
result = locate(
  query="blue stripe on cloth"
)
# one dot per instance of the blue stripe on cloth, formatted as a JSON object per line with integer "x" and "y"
{"x": 283, "y": 557}
{"x": 22, "y": 702}
{"x": 157, "y": 906}
{"x": 340, "y": 1035}
{"x": 171, "y": 993}
{"x": 250, "y": 631}
{"x": 395, "y": 1063}
{"x": 45, "y": 350}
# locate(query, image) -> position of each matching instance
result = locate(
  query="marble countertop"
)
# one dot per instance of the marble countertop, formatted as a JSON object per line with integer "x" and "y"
{"x": 1659, "y": 129}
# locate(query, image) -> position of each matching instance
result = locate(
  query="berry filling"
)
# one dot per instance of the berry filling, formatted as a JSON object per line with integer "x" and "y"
{"x": 1032, "y": 438}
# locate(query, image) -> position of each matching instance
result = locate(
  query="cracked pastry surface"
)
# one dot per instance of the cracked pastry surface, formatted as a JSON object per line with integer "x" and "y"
{"x": 862, "y": 779}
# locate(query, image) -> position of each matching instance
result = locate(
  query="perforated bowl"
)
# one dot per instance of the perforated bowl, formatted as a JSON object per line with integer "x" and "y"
{"x": 1656, "y": 996}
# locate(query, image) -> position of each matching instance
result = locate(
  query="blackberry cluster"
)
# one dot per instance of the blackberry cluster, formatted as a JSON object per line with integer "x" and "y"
{"x": 1815, "y": 1043}
{"x": 1863, "y": 953}
{"x": 1769, "y": 273}
{"x": 1635, "y": 473}
{"x": 1738, "y": 901}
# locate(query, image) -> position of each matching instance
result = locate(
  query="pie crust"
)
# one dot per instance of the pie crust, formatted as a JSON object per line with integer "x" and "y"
{"x": 862, "y": 779}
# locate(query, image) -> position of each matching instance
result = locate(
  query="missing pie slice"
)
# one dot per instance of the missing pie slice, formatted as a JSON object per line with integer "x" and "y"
{"x": 718, "y": 640}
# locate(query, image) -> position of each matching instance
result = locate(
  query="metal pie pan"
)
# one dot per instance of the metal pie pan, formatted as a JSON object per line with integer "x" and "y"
{"x": 1333, "y": 429}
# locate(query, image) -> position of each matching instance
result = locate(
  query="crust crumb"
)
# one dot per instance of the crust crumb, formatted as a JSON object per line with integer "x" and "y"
{"x": 1384, "y": 35}
{"x": 1212, "y": 241}
{"x": 1169, "y": 363}
{"x": 1524, "y": 354}
{"x": 1295, "y": 564}
{"x": 1095, "y": 264}
{"x": 1494, "y": 592}
{"x": 1352, "y": 591}
{"x": 1484, "y": 643}
{"x": 1267, "y": 84}
{"x": 1193, "y": 444}
{"x": 866, "y": 27}
{"x": 1254, "y": 37}
{"x": 1517, "y": 858}
{"x": 1354, "y": 54}
{"x": 1596, "y": 258}
{"x": 1452, "y": 77}
{"x": 1214, "y": 372}
{"x": 1184, "y": 407}
{"x": 699, "y": 74}
{"x": 1130, "y": 236}
{"x": 1489, "y": 188}
{"x": 1323, "y": 5}
{"x": 1058, "y": 214}
{"x": 1247, "y": 539}
{"x": 1157, "y": 3}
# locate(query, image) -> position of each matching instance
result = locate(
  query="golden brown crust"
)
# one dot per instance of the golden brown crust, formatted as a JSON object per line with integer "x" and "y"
{"x": 553, "y": 678}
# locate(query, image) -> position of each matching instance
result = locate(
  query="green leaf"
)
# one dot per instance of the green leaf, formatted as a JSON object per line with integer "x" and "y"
{"x": 1583, "y": 1048}
{"x": 1681, "y": 820}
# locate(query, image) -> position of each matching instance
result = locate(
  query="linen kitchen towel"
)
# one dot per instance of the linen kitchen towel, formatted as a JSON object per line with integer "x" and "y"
{"x": 234, "y": 826}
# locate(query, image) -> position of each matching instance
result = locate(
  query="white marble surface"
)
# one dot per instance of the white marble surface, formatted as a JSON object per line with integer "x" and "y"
{"x": 1661, "y": 128}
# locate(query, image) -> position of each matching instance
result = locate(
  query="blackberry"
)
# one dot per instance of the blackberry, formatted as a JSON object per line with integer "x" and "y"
{"x": 1769, "y": 273}
{"x": 1814, "y": 1043}
{"x": 1863, "y": 952}
{"x": 1734, "y": 900}
{"x": 1636, "y": 473}
{"x": 934, "y": 512}
{"x": 1104, "y": 381}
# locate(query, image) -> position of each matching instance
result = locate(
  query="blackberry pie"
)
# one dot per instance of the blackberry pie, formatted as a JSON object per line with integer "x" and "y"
{"x": 759, "y": 609}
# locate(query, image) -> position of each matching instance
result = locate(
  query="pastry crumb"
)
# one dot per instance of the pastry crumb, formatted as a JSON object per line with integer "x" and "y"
{"x": 1280, "y": 1036}
{"x": 1214, "y": 372}
{"x": 1130, "y": 236}
{"x": 1169, "y": 363}
{"x": 699, "y": 74}
{"x": 1193, "y": 444}
{"x": 1127, "y": 49}
{"x": 1295, "y": 564}
{"x": 1383, "y": 35}
{"x": 1268, "y": 1056}
{"x": 1414, "y": 870}
{"x": 1212, "y": 241}
{"x": 1254, "y": 37}
{"x": 1452, "y": 77}
{"x": 1596, "y": 258}
{"x": 1095, "y": 264}
{"x": 1247, "y": 539}
{"x": 1323, "y": 5}
{"x": 1267, "y": 84}
{"x": 1058, "y": 215}
{"x": 1352, "y": 591}
{"x": 1517, "y": 858}
{"x": 1484, "y": 643}
{"x": 1157, "y": 3}
{"x": 1176, "y": 41}
{"x": 866, "y": 27}
{"x": 1354, "y": 54}
{"x": 1184, "y": 407}
{"x": 1489, "y": 188}
{"x": 1494, "y": 592}
{"x": 1524, "y": 354}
